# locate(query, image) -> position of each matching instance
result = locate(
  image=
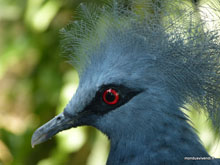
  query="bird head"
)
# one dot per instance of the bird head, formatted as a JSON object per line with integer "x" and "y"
{"x": 116, "y": 78}
{"x": 135, "y": 73}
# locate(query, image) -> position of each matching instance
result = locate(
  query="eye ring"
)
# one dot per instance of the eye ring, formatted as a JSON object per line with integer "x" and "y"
{"x": 110, "y": 96}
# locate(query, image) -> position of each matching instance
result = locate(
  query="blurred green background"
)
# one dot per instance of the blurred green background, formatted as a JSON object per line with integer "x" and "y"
{"x": 36, "y": 84}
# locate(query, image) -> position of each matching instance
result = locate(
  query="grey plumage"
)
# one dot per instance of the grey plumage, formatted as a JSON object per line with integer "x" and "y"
{"x": 167, "y": 58}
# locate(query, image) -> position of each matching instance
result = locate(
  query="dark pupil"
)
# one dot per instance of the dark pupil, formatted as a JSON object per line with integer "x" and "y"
{"x": 110, "y": 97}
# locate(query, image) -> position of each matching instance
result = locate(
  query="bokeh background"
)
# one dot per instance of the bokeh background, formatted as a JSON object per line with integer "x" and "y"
{"x": 36, "y": 83}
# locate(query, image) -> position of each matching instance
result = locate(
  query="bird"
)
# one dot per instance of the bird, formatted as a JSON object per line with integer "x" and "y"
{"x": 139, "y": 65}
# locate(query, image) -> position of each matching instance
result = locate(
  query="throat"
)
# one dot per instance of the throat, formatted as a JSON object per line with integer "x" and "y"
{"x": 170, "y": 140}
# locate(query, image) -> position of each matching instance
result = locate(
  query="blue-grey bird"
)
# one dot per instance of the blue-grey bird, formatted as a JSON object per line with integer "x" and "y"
{"x": 138, "y": 66}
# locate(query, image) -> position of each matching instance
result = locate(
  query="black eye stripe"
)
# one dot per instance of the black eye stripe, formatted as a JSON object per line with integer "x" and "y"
{"x": 99, "y": 107}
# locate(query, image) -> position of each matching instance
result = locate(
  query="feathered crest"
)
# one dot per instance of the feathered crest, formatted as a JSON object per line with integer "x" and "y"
{"x": 185, "y": 35}
{"x": 88, "y": 31}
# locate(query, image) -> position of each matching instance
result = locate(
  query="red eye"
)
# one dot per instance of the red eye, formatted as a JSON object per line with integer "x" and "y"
{"x": 110, "y": 96}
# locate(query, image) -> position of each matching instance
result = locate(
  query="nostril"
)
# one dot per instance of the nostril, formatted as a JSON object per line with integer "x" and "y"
{"x": 58, "y": 118}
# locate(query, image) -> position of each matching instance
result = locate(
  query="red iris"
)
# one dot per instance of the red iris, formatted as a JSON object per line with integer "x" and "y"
{"x": 110, "y": 96}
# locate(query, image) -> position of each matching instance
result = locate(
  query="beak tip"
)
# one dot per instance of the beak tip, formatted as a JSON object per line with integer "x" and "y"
{"x": 33, "y": 141}
{"x": 37, "y": 138}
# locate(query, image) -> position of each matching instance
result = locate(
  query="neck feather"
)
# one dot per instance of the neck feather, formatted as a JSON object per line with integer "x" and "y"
{"x": 163, "y": 135}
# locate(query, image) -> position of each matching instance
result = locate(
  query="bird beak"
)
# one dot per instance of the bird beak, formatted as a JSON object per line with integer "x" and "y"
{"x": 58, "y": 123}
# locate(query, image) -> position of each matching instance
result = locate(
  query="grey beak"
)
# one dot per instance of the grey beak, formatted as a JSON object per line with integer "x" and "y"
{"x": 51, "y": 128}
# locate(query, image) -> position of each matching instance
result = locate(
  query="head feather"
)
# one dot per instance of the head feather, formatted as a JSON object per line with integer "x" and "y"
{"x": 185, "y": 49}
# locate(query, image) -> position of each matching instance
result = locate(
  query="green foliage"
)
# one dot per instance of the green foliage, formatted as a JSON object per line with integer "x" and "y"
{"x": 36, "y": 83}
